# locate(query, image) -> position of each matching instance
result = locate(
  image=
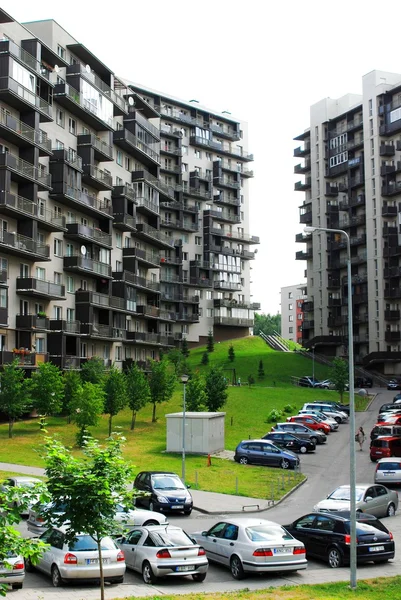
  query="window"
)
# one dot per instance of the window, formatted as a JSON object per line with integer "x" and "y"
{"x": 60, "y": 118}
{"x": 118, "y": 353}
{"x": 72, "y": 126}
{"x": 58, "y": 312}
{"x": 184, "y": 149}
{"x": 119, "y": 158}
{"x": 59, "y": 145}
{"x": 290, "y": 330}
{"x": 119, "y": 240}
{"x": 84, "y": 285}
{"x": 185, "y": 256}
{"x": 58, "y": 247}
{"x": 70, "y": 314}
{"x": 198, "y": 241}
{"x": 291, "y": 318}
{"x": 60, "y": 51}
{"x": 370, "y": 107}
{"x": 40, "y": 345}
{"x": 290, "y": 295}
{"x": 58, "y": 278}
{"x": 127, "y": 163}
{"x": 290, "y": 307}
{"x": 208, "y": 156}
{"x": 41, "y": 273}
{"x": 70, "y": 250}
{"x": 209, "y": 312}
{"x": 209, "y": 295}
{"x": 70, "y": 284}
{"x": 197, "y": 154}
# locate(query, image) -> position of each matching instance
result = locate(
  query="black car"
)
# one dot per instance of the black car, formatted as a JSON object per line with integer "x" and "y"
{"x": 327, "y": 536}
{"x": 283, "y": 439}
{"x": 336, "y": 405}
{"x": 363, "y": 382}
{"x": 397, "y": 398}
{"x": 389, "y": 407}
{"x": 302, "y": 432}
{"x": 393, "y": 384}
{"x": 165, "y": 492}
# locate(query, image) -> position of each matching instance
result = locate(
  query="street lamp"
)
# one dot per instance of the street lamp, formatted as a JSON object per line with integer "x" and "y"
{"x": 184, "y": 381}
{"x": 351, "y": 404}
{"x": 313, "y": 364}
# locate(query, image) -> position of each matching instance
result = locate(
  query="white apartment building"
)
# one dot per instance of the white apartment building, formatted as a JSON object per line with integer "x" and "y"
{"x": 292, "y": 301}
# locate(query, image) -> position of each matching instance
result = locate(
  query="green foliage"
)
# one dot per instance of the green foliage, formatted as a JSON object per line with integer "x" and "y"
{"x": 274, "y": 416}
{"x": 175, "y": 357}
{"x": 289, "y": 408}
{"x": 267, "y": 324}
{"x": 115, "y": 394}
{"x": 205, "y": 358}
{"x": 251, "y": 380}
{"x": 216, "y": 389}
{"x": 85, "y": 407}
{"x": 231, "y": 353}
{"x": 184, "y": 348}
{"x": 72, "y": 383}
{"x": 89, "y": 488}
{"x": 14, "y": 400}
{"x": 46, "y": 388}
{"x": 210, "y": 341}
{"x": 261, "y": 371}
{"x": 138, "y": 391}
{"x": 161, "y": 384}
{"x": 340, "y": 375}
{"x": 195, "y": 395}
{"x": 93, "y": 370}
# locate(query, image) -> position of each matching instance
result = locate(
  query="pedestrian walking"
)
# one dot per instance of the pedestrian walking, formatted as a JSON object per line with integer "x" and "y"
{"x": 239, "y": 382}
{"x": 360, "y": 437}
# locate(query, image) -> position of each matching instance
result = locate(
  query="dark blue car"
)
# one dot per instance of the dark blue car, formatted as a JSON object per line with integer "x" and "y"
{"x": 264, "y": 452}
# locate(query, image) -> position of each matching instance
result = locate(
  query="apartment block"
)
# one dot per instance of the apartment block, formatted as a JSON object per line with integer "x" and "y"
{"x": 123, "y": 212}
{"x": 292, "y": 312}
{"x": 351, "y": 162}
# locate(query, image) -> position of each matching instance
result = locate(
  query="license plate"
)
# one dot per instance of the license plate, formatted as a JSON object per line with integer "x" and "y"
{"x": 178, "y": 506}
{"x": 376, "y": 549}
{"x": 282, "y": 550}
{"x": 185, "y": 568}
{"x": 95, "y": 561}
{"x": 388, "y": 472}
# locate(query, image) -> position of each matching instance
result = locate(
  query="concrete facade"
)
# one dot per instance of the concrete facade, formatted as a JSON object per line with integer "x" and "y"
{"x": 292, "y": 300}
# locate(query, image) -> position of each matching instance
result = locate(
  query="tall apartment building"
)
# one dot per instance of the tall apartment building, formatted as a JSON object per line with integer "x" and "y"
{"x": 124, "y": 213}
{"x": 292, "y": 312}
{"x": 352, "y": 168}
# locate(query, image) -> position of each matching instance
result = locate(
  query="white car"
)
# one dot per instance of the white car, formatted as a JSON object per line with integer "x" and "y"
{"x": 20, "y": 482}
{"x": 320, "y": 416}
{"x": 14, "y": 573}
{"x": 339, "y": 416}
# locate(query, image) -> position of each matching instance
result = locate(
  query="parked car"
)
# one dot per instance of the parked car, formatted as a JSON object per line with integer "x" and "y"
{"x": 384, "y": 447}
{"x": 308, "y": 382}
{"x": 397, "y": 398}
{"x": 78, "y": 560}
{"x": 14, "y": 574}
{"x": 387, "y": 416}
{"x": 393, "y": 419}
{"x": 363, "y": 382}
{"x": 252, "y": 546}
{"x": 310, "y": 422}
{"x": 125, "y": 518}
{"x": 264, "y": 452}
{"x": 327, "y": 537}
{"x": 165, "y": 492}
{"x": 326, "y": 384}
{"x": 20, "y": 481}
{"x": 388, "y": 471}
{"x": 339, "y": 416}
{"x": 393, "y": 384}
{"x": 336, "y": 405}
{"x": 290, "y": 442}
{"x": 320, "y": 418}
{"x": 389, "y": 407}
{"x": 301, "y": 431}
{"x": 376, "y": 500}
{"x": 385, "y": 429}
{"x": 163, "y": 551}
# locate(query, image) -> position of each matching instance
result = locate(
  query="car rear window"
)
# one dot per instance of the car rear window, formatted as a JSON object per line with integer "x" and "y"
{"x": 171, "y": 538}
{"x": 364, "y": 528}
{"x": 380, "y": 444}
{"x": 267, "y": 533}
{"x": 389, "y": 466}
{"x": 85, "y": 543}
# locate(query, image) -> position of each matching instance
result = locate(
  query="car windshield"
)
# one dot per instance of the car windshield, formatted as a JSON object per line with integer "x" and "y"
{"x": 167, "y": 483}
{"x": 267, "y": 533}
{"x": 84, "y": 543}
{"x": 27, "y": 484}
{"x": 173, "y": 537}
{"x": 343, "y": 493}
{"x": 389, "y": 466}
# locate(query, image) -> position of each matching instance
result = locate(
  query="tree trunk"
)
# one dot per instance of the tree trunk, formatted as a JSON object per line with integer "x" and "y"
{"x": 10, "y": 428}
{"x": 99, "y": 548}
{"x": 154, "y": 413}
{"x": 133, "y": 419}
{"x": 110, "y": 424}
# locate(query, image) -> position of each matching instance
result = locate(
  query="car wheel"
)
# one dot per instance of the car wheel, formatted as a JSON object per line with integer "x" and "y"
{"x": 334, "y": 558}
{"x": 147, "y": 573}
{"x": 187, "y": 512}
{"x": 152, "y": 507}
{"x": 17, "y": 586}
{"x": 390, "y": 510}
{"x": 117, "y": 580}
{"x": 314, "y": 440}
{"x": 28, "y": 565}
{"x": 285, "y": 464}
{"x": 372, "y": 459}
{"x": 303, "y": 449}
{"x": 56, "y": 577}
{"x": 243, "y": 460}
{"x": 199, "y": 577}
{"x": 151, "y": 522}
{"x": 237, "y": 570}
{"x": 337, "y": 420}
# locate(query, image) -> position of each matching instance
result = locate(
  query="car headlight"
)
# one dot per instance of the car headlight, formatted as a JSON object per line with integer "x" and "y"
{"x": 162, "y": 499}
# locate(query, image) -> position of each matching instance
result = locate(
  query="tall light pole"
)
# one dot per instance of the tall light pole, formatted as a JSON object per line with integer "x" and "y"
{"x": 184, "y": 380}
{"x": 351, "y": 404}
{"x": 313, "y": 364}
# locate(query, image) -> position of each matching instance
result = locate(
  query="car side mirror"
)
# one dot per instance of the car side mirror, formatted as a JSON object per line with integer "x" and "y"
{"x": 188, "y": 487}
{"x": 368, "y": 498}
{"x": 204, "y": 533}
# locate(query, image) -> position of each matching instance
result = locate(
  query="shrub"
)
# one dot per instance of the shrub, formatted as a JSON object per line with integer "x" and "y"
{"x": 289, "y": 408}
{"x": 205, "y": 358}
{"x": 274, "y": 416}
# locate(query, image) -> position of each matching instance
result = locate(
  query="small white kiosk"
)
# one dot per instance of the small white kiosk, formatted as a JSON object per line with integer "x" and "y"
{"x": 204, "y": 432}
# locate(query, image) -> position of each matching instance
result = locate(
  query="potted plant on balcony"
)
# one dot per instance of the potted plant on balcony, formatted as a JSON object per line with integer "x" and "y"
{"x": 42, "y": 315}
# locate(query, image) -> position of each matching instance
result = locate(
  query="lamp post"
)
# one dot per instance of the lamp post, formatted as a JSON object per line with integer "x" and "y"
{"x": 313, "y": 364}
{"x": 184, "y": 381}
{"x": 351, "y": 404}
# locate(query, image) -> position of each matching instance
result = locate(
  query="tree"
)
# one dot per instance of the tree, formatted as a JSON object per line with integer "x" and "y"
{"x": 261, "y": 371}
{"x": 184, "y": 347}
{"x": 205, "y": 358}
{"x": 85, "y": 408}
{"x": 195, "y": 395}
{"x": 251, "y": 380}
{"x": 89, "y": 488}
{"x": 216, "y": 389}
{"x": 93, "y": 370}
{"x": 175, "y": 357}
{"x": 138, "y": 391}
{"x": 231, "y": 353}
{"x": 340, "y": 375}
{"x": 267, "y": 324}
{"x": 72, "y": 383}
{"x": 47, "y": 389}
{"x": 115, "y": 394}
{"x": 210, "y": 341}
{"x": 161, "y": 384}
{"x": 14, "y": 400}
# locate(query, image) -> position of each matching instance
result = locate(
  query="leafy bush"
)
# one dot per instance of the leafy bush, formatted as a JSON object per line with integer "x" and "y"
{"x": 274, "y": 415}
{"x": 289, "y": 408}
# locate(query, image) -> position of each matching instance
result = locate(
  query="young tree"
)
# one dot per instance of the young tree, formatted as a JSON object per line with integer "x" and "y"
{"x": 85, "y": 408}
{"x": 161, "y": 384}
{"x": 14, "y": 400}
{"x": 175, "y": 357}
{"x": 72, "y": 383}
{"x": 205, "y": 358}
{"x": 251, "y": 380}
{"x": 261, "y": 371}
{"x": 138, "y": 391}
{"x": 115, "y": 394}
{"x": 195, "y": 395}
{"x": 216, "y": 389}
{"x": 93, "y": 370}
{"x": 184, "y": 348}
{"x": 268, "y": 324}
{"x": 89, "y": 488}
{"x": 340, "y": 375}
{"x": 46, "y": 388}
{"x": 231, "y": 353}
{"x": 210, "y": 341}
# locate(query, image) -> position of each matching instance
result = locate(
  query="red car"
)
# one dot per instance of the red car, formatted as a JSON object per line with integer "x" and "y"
{"x": 310, "y": 422}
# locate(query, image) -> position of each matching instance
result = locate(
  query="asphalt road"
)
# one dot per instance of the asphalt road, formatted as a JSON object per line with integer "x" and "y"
{"x": 327, "y": 468}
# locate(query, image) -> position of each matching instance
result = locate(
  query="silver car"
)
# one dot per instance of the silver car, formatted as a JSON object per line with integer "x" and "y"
{"x": 167, "y": 551}
{"x": 252, "y": 545}
{"x": 13, "y": 573}
{"x": 78, "y": 560}
{"x": 388, "y": 470}
{"x": 125, "y": 518}
{"x": 21, "y": 482}
{"x": 375, "y": 500}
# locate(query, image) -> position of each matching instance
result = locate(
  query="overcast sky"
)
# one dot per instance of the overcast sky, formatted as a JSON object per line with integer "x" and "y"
{"x": 264, "y": 62}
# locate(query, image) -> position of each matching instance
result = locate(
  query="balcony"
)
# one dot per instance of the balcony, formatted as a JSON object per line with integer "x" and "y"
{"x": 225, "y": 131}
{"x": 106, "y": 332}
{"x": 179, "y": 116}
{"x": 137, "y": 281}
{"x": 83, "y": 233}
{"x": 243, "y": 237}
{"x": 303, "y": 237}
{"x": 302, "y": 150}
{"x": 40, "y": 288}
{"x": 394, "y": 292}
{"x": 26, "y": 58}
{"x": 301, "y": 186}
{"x": 25, "y": 247}
{"x": 124, "y": 221}
{"x": 147, "y": 206}
{"x": 392, "y": 272}
{"x": 233, "y": 322}
{"x": 226, "y": 182}
{"x": 223, "y": 215}
{"x": 219, "y": 147}
{"x": 171, "y": 149}
{"x": 197, "y": 193}
{"x": 219, "y": 303}
{"x": 199, "y": 282}
{"x": 131, "y": 144}
{"x": 68, "y": 157}
{"x": 235, "y": 167}
{"x": 18, "y": 207}
{"x": 153, "y": 312}
{"x": 304, "y": 255}
{"x": 23, "y": 99}
{"x": 25, "y": 358}
{"x": 187, "y": 317}
{"x": 18, "y": 133}
{"x": 66, "y": 363}
{"x": 389, "y": 211}
{"x": 391, "y": 189}
{"x": 227, "y": 285}
{"x": 102, "y": 152}
{"x": 301, "y": 169}
{"x": 124, "y": 191}
{"x": 96, "y": 178}
{"x": 305, "y": 216}
{"x": 308, "y": 324}
{"x": 392, "y": 315}
{"x": 25, "y": 172}
{"x": 154, "y": 339}
{"x": 78, "y": 200}
{"x": 331, "y": 190}
{"x": 151, "y": 259}
{"x": 392, "y": 336}
{"x": 75, "y": 102}
{"x": 87, "y": 266}
{"x": 180, "y": 225}
{"x": 308, "y": 306}
{"x": 30, "y": 322}
{"x": 73, "y": 327}
{"x": 153, "y": 236}
{"x": 223, "y": 198}
{"x": 170, "y": 168}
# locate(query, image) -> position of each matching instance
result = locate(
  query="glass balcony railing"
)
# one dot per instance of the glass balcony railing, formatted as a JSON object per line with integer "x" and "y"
{"x": 36, "y": 136}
